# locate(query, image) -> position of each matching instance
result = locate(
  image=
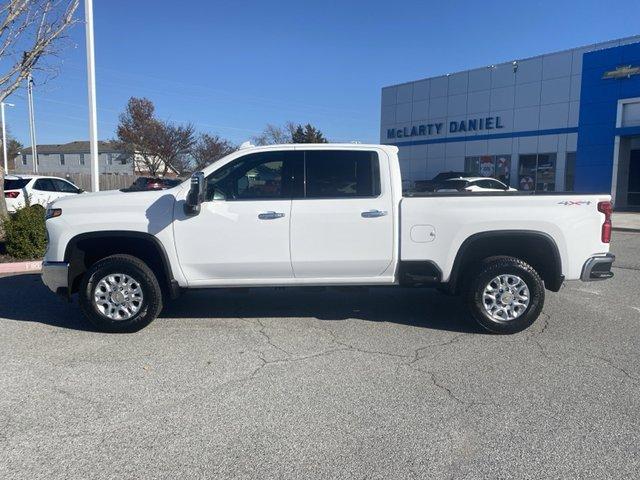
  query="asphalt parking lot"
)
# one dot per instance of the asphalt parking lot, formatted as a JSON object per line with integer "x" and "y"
{"x": 280, "y": 384}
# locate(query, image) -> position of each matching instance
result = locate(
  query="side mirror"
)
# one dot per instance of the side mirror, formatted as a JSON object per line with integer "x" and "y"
{"x": 196, "y": 194}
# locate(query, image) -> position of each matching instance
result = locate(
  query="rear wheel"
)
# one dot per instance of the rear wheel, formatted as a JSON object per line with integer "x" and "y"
{"x": 506, "y": 295}
{"x": 120, "y": 294}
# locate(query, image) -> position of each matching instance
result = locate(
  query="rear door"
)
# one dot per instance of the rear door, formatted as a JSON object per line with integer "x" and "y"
{"x": 43, "y": 192}
{"x": 342, "y": 226}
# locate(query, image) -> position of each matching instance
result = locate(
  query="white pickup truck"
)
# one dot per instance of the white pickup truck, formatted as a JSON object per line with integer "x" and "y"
{"x": 321, "y": 215}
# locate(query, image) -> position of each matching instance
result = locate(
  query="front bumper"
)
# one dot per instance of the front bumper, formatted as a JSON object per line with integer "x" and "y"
{"x": 598, "y": 267}
{"x": 55, "y": 275}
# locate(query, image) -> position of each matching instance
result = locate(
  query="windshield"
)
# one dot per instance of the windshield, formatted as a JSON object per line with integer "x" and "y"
{"x": 15, "y": 184}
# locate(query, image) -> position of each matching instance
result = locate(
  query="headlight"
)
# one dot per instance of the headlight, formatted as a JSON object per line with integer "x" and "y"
{"x": 52, "y": 213}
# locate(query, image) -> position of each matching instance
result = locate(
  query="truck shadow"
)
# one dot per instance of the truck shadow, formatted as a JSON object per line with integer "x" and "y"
{"x": 25, "y": 298}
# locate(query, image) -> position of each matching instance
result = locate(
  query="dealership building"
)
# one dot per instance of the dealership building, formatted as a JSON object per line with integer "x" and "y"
{"x": 564, "y": 121}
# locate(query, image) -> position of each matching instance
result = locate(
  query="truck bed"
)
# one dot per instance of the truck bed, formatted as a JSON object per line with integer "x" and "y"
{"x": 434, "y": 225}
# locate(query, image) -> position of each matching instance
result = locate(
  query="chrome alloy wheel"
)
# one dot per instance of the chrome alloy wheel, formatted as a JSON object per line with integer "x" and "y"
{"x": 118, "y": 296}
{"x": 506, "y": 297}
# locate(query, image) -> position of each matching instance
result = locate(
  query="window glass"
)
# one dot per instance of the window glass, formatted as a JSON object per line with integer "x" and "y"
{"x": 546, "y": 178}
{"x": 24, "y": 159}
{"x": 45, "y": 185}
{"x": 487, "y": 166}
{"x": 341, "y": 174}
{"x": 63, "y": 186}
{"x": 503, "y": 168}
{"x": 62, "y": 159}
{"x": 484, "y": 183}
{"x": 496, "y": 166}
{"x": 454, "y": 185}
{"x": 570, "y": 171}
{"x": 527, "y": 172}
{"x": 257, "y": 176}
{"x": 496, "y": 185}
{"x": 472, "y": 166}
{"x": 15, "y": 184}
{"x": 82, "y": 159}
{"x": 538, "y": 172}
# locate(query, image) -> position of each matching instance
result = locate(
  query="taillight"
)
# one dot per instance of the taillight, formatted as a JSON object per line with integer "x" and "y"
{"x": 11, "y": 194}
{"x": 605, "y": 207}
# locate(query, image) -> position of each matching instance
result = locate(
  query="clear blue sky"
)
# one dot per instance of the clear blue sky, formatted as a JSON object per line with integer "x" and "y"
{"x": 231, "y": 67}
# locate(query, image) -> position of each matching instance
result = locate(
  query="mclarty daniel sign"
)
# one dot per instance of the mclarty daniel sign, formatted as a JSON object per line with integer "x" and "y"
{"x": 455, "y": 126}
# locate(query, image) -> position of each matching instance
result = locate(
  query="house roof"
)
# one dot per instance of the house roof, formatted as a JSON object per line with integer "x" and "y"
{"x": 80, "y": 146}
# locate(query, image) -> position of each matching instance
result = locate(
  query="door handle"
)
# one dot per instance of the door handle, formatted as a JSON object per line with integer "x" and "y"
{"x": 270, "y": 215}
{"x": 374, "y": 213}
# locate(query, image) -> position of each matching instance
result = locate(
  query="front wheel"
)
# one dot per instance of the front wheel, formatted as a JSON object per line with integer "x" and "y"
{"x": 120, "y": 294}
{"x": 506, "y": 295}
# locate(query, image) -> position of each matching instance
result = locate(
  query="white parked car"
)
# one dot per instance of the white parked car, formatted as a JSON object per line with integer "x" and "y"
{"x": 38, "y": 190}
{"x": 473, "y": 184}
{"x": 321, "y": 215}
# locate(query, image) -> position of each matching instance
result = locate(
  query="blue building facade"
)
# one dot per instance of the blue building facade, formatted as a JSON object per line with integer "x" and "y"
{"x": 564, "y": 121}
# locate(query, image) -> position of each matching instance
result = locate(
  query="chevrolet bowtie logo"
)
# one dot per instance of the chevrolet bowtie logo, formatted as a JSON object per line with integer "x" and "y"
{"x": 624, "y": 71}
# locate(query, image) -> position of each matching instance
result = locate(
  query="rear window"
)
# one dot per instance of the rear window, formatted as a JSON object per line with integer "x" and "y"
{"x": 16, "y": 184}
{"x": 341, "y": 174}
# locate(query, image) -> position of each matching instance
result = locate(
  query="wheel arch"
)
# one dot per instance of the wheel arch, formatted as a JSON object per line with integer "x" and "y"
{"x": 85, "y": 249}
{"x": 536, "y": 248}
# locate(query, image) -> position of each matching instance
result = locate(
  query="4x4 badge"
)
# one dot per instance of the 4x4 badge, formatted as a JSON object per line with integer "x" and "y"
{"x": 575, "y": 202}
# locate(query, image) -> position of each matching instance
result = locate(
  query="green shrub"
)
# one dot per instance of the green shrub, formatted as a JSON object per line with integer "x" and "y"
{"x": 24, "y": 233}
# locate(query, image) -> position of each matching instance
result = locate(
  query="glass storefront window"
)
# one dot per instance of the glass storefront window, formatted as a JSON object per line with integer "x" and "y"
{"x": 496, "y": 166}
{"x": 546, "y": 180}
{"x": 537, "y": 172}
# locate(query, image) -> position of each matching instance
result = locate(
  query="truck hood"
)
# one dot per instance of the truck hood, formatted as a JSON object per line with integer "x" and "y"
{"x": 149, "y": 212}
{"x": 112, "y": 200}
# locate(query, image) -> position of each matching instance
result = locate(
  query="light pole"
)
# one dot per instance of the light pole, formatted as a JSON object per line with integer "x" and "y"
{"x": 4, "y": 136}
{"x": 91, "y": 86}
{"x": 32, "y": 124}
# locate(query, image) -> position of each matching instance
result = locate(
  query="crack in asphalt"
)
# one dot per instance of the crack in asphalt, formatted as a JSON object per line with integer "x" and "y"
{"x": 262, "y": 331}
{"x": 534, "y": 336}
{"x": 616, "y": 367}
{"x": 409, "y": 360}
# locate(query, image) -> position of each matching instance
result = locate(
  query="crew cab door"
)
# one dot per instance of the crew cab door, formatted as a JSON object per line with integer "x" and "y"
{"x": 342, "y": 226}
{"x": 241, "y": 234}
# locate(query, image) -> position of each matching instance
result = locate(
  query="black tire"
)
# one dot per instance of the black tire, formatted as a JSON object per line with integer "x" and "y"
{"x": 150, "y": 306}
{"x": 488, "y": 270}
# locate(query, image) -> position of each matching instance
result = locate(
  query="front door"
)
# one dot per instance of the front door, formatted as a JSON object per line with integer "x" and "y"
{"x": 633, "y": 192}
{"x": 241, "y": 234}
{"x": 342, "y": 227}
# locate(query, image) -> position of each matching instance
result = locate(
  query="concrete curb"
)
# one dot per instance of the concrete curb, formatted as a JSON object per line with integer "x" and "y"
{"x": 20, "y": 267}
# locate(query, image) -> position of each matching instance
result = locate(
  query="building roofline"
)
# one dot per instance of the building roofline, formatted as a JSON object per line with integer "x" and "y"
{"x": 510, "y": 62}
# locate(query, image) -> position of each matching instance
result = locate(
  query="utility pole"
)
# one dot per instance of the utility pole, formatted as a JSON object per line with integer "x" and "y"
{"x": 91, "y": 86}
{"x": 4, "y": 136}
{"x": 32, "y": 124}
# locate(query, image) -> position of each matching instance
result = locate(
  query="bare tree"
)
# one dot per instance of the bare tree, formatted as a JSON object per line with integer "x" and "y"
{"x": 274, "y": 134}
{"x": 209, "y": 149}
{"x": 159, "y": 145}
{"x": 30, "y": 30}
{"x": 139, "y": 134}
{"x": 174, "y": 147}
